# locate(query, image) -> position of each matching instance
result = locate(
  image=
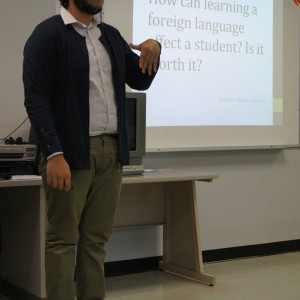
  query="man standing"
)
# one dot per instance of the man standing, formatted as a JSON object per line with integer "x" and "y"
{"x": 74, "y": 72}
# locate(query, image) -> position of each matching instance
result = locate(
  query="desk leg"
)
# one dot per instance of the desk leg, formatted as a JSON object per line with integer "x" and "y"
{"x": 182, "y": 247}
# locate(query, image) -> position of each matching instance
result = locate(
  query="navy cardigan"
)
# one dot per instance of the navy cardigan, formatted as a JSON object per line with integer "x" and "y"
{"x": 56, "y": 84}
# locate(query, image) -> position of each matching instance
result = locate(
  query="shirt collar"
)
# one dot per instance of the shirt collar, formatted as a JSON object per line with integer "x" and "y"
{"x": 69, "y": 18}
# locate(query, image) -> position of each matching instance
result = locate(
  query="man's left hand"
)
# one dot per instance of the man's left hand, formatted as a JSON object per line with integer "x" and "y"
{"x": 150, "y": 51}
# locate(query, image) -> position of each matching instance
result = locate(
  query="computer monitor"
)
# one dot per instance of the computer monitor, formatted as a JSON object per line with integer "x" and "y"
{"x": 136, "y": 126}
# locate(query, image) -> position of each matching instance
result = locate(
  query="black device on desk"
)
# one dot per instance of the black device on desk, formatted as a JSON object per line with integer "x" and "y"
{"x": 17, "y": 159}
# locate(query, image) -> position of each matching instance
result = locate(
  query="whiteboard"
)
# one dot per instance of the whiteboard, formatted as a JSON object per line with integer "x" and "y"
{"x": 271, "y": 96}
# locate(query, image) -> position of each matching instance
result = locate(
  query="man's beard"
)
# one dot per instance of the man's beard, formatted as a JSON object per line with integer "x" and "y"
{"x": 85, "y": 7}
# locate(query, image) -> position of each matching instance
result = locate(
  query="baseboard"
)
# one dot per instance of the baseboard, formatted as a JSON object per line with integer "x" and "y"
{"x": 132, "y": 266}
{"x": 251, "y": 250}
{"x": 149, "y": 264}
{"x": 16, "y": 293}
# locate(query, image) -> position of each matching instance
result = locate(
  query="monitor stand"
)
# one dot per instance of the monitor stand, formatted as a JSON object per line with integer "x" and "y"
{"x": 133, "y": 170}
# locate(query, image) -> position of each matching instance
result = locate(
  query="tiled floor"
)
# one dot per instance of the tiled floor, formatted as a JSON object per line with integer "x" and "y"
{"x": 261, "y": 278}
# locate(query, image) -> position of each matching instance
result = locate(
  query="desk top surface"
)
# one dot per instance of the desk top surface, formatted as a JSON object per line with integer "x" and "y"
{"x": 160, "y": 175}
{"x": 21, "y": 180}
{"x": 168, "y": 175}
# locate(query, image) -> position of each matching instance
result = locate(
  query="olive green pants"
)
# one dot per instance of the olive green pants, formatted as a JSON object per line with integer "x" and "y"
{"x": 84, "y": 218}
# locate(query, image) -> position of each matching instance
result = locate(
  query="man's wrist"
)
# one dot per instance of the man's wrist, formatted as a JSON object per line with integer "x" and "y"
{"x": 54, "y": 154}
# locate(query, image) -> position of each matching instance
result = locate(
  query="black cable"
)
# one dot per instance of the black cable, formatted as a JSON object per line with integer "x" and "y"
{"x": 2, "y": 140}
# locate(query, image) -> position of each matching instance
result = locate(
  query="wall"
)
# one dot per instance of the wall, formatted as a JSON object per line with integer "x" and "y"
{"x": 17, "y": 21}
{"x": 255, "y": 200}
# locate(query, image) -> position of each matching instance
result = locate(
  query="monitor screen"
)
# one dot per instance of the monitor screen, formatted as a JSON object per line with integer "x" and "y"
{"x": 131, "y": 123}
{"x": 136, "y": 125}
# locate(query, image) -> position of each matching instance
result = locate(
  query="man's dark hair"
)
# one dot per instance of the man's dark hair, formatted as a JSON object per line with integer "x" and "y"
{"x": 64, "y": 3}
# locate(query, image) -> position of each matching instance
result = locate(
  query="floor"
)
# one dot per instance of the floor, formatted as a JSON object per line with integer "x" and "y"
{"x": 262, "y": 278}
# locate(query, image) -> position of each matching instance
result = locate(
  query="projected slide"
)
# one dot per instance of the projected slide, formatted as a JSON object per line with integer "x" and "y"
{"x": 216, "y": 64}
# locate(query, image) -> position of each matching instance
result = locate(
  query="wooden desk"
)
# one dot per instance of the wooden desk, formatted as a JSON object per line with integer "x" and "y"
{"x": 163, "y": 197}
